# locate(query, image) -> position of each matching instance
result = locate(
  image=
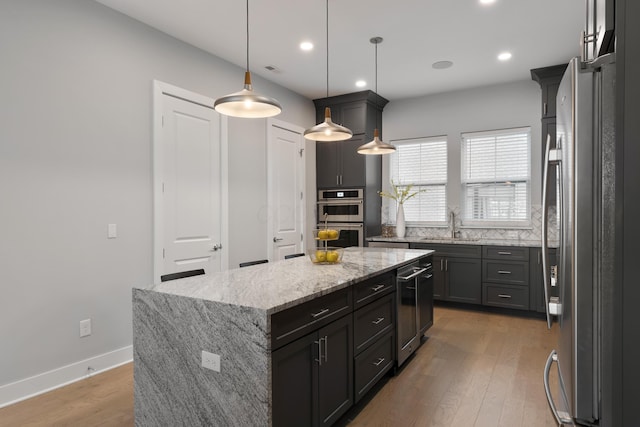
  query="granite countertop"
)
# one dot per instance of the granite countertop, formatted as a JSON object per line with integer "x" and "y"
{"x": 273, "y": 287}
{"x": 461, "y": 241}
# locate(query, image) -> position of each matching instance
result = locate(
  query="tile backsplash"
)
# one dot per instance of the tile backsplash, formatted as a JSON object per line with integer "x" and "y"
{"x": 534, "y": 232}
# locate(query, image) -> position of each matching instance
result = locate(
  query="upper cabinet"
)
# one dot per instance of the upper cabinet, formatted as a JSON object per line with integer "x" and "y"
{"x": 549, "y": 80}
{"x": 338, "y": 164}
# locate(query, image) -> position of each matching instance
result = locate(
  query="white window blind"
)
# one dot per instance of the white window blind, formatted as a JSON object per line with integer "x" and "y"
{"x": 423, "y": 164}
{"x": 496, "y": 176}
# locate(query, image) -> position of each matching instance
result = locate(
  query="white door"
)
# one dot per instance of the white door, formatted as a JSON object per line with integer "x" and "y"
{"x": 188, "y": 172}
{"x": 285, "y": 170}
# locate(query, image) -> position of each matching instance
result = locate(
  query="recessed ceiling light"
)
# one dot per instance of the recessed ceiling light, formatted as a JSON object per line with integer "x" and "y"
{"x": 306, "y": 46}
{"x": 504, "y": 56}
{"x": 441, "y": 65}
{"x": 487, "y": 1}
{"x": 361, "y": 83}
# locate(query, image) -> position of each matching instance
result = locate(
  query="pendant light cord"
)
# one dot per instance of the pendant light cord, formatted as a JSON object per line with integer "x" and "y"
{"x": 247, "y": 35}
{"x": 327, "y": 24}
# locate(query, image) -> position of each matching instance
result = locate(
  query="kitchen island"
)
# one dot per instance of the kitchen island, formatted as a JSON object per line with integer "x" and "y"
{"x": 232, "y": 322}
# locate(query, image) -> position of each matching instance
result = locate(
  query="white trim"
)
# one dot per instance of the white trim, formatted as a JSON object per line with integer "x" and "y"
{"x": 160, "y": 88}
{"x": 38, "y": 384}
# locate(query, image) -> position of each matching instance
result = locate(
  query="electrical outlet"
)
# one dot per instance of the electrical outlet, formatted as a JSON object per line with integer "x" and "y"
{"x": 85, "y": 328}
{"x": 211, "y": 361}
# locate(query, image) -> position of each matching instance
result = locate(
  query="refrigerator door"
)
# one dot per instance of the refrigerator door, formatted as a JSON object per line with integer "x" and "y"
{"x": 576, "y": 267}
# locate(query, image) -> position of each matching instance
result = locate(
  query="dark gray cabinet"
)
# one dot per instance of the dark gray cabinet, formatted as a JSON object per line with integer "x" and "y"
{"x": 505, "y": 277}
{"x": 338, "y": 164}
{"x": 536, "y": 284}
{"x": 313, "y": 377}
{"x": 549, "y": 80}
{"x": 425, "y": 296}
{"x": 457, "y": 272}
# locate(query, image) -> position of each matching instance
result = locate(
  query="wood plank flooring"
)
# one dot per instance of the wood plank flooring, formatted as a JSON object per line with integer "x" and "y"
{"x": 476, "y": 369}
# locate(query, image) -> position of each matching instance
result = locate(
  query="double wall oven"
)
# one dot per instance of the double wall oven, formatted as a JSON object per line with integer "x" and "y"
{"x": 343, "y": 210}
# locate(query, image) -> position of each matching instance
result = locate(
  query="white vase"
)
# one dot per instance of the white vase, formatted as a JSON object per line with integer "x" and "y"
{"x": 400, "y": 229}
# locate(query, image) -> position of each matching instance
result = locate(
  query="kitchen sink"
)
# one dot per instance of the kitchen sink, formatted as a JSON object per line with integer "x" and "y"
{"x": 450, "y": 240}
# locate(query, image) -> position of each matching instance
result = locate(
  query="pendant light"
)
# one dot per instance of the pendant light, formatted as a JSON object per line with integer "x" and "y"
{"x": 327, "y": 130}
{"x": 247, "y": 103}
{"x": 376, "y": 146}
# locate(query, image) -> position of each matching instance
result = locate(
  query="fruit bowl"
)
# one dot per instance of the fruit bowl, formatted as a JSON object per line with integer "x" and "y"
{"x": 327, "y": 255}
{"x": 326, "y": 234}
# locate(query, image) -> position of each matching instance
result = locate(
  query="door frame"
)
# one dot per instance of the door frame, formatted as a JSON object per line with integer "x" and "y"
{"x": 271, "y": 123}
{"x": 160, "y": 89}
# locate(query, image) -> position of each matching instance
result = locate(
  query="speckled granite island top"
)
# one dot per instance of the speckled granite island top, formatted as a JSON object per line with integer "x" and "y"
{"x": 227, "y": 315}
{"x": 273, "y": 287}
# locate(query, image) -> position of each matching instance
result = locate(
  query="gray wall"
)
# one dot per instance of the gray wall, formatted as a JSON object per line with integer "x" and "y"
{"x": 502, "y": 106}
{"x": 75, "y": 155}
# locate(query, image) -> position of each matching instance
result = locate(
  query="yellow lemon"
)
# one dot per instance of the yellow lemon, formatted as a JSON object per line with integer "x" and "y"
{"x": 321, "y": 256}
{"x": 323, "y": 234}
{"x": 332, "y": 256}
{"x": 333, "y": 234}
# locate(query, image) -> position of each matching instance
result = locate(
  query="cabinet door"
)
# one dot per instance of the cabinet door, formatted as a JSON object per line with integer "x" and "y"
{"x": 335, "y": 373}
{"x": 439, "y": 279}
{"x": 464, "y": 279}
{"x": 327, "y": 163}
{"x": 353, "y": 115}
{"x": 295, "y": 374}
{"x": 353, "y": 164}
{"x": 425, "y": 301}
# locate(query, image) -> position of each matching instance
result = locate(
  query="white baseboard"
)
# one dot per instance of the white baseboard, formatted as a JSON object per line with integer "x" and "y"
{"x": 47, "y": 381}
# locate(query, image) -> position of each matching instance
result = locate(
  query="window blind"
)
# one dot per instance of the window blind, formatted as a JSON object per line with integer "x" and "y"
{"x": 496, "y": 175}
{"x": 423, "y": 164}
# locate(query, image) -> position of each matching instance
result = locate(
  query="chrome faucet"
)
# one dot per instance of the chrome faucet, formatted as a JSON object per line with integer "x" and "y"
{"x": 452, "y": 218}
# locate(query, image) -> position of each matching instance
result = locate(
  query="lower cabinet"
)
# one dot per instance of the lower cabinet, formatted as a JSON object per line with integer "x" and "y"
{"x": 373, "y": 363}
{"x": 313, "y": 377}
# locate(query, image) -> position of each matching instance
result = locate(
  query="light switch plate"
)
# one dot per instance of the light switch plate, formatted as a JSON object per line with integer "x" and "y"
{"x": 112, "y": 232}
{"x": 85, "y": 328}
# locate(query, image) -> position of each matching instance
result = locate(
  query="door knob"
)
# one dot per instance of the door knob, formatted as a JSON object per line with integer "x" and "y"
{"x": 216, "y": 247}
{"x": 277, "y": 239}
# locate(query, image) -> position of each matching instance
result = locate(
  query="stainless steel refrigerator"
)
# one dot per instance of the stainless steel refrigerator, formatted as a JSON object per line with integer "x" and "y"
{"x": 584, "y": 162}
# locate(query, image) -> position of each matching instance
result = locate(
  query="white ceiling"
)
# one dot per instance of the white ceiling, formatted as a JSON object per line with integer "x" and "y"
{"x": 416, "y": 34}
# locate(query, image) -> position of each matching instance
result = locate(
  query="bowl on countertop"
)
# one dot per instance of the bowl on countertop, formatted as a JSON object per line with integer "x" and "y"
{"x": 328, "y": 255}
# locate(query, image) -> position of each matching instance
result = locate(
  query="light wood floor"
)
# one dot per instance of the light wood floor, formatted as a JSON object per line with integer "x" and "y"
{"x": 476, "y": 369}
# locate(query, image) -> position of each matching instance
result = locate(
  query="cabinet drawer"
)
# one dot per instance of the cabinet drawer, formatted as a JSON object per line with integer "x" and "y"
{"x": 505, "y": 296}
{"x": 298, "y": 321}
{"x": 372, "y": 364}
{"x": 505, "y": 252}
{"x": 509, "y": 272}
{"x": 372, "y": 321}
{"x": 451, "y": 251}
{"x": 372, "y": 289}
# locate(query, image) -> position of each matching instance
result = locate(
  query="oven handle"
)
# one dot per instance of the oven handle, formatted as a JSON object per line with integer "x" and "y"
{"x": 341, "y": 202}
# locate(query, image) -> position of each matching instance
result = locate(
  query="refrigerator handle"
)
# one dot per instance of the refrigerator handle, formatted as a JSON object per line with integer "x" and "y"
{"x": 545, "y": 226}
{"x": 562, "y": 418}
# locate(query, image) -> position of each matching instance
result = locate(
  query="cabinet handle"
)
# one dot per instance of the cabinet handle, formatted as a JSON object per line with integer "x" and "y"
{"x": 446, "y": 265}
{"x": 379, "y": 362}
{"x": 504, "y": 253}
{"x": 320, "y": 313}
{"x": 544, "y": 109}
{"x": 504, "y": 296}
{"x": 503, "y": 272}
{"x": 326, "y": 347}
{"x": 441, "y": 266}
{"x": 428, "y": 276}
{"x": 377, "y": 288}
{"x": 411, "y": 288}
{"x": 319, "y": 359}
{"x": 337, "y": 179}
{"x": 377, "y": 321}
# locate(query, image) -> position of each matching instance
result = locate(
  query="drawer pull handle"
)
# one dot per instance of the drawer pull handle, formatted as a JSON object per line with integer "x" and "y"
{"x": 428, "y": 276}
{"x": 377, "y": 288}
{"x": 377, "y": 321}
{"x": 504, "y": 296}
{"x": 320, "y": 313}
{"x": 504, "y": 253}
{"x": 379, "y": 362}
{"x": 503, "y": 272}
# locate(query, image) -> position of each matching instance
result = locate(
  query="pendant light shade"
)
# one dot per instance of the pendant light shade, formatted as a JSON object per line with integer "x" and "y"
{"x": 247, "y": 103}
{"x": 376, "y": 147}
{"x": 327, "y": 130}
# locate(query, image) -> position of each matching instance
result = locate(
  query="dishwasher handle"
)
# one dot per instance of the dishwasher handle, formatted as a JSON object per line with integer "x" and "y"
{"x": 415, "y": 273}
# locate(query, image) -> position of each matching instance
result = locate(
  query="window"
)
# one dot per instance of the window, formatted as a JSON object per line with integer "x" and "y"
{"x": 423, "y": 163}
{"x": 496, "y": 177}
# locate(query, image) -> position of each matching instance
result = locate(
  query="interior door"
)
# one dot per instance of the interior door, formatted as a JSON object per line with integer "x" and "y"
{"x": 187, "y": 157}
{"x": 285, "y": 189}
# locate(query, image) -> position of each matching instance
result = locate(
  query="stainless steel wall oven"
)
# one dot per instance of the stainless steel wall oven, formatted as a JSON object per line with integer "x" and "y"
{"x": 341, "y": 205}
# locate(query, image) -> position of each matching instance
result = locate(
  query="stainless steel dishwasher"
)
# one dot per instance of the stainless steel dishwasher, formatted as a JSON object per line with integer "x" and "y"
{"x": 407, "y": 300}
